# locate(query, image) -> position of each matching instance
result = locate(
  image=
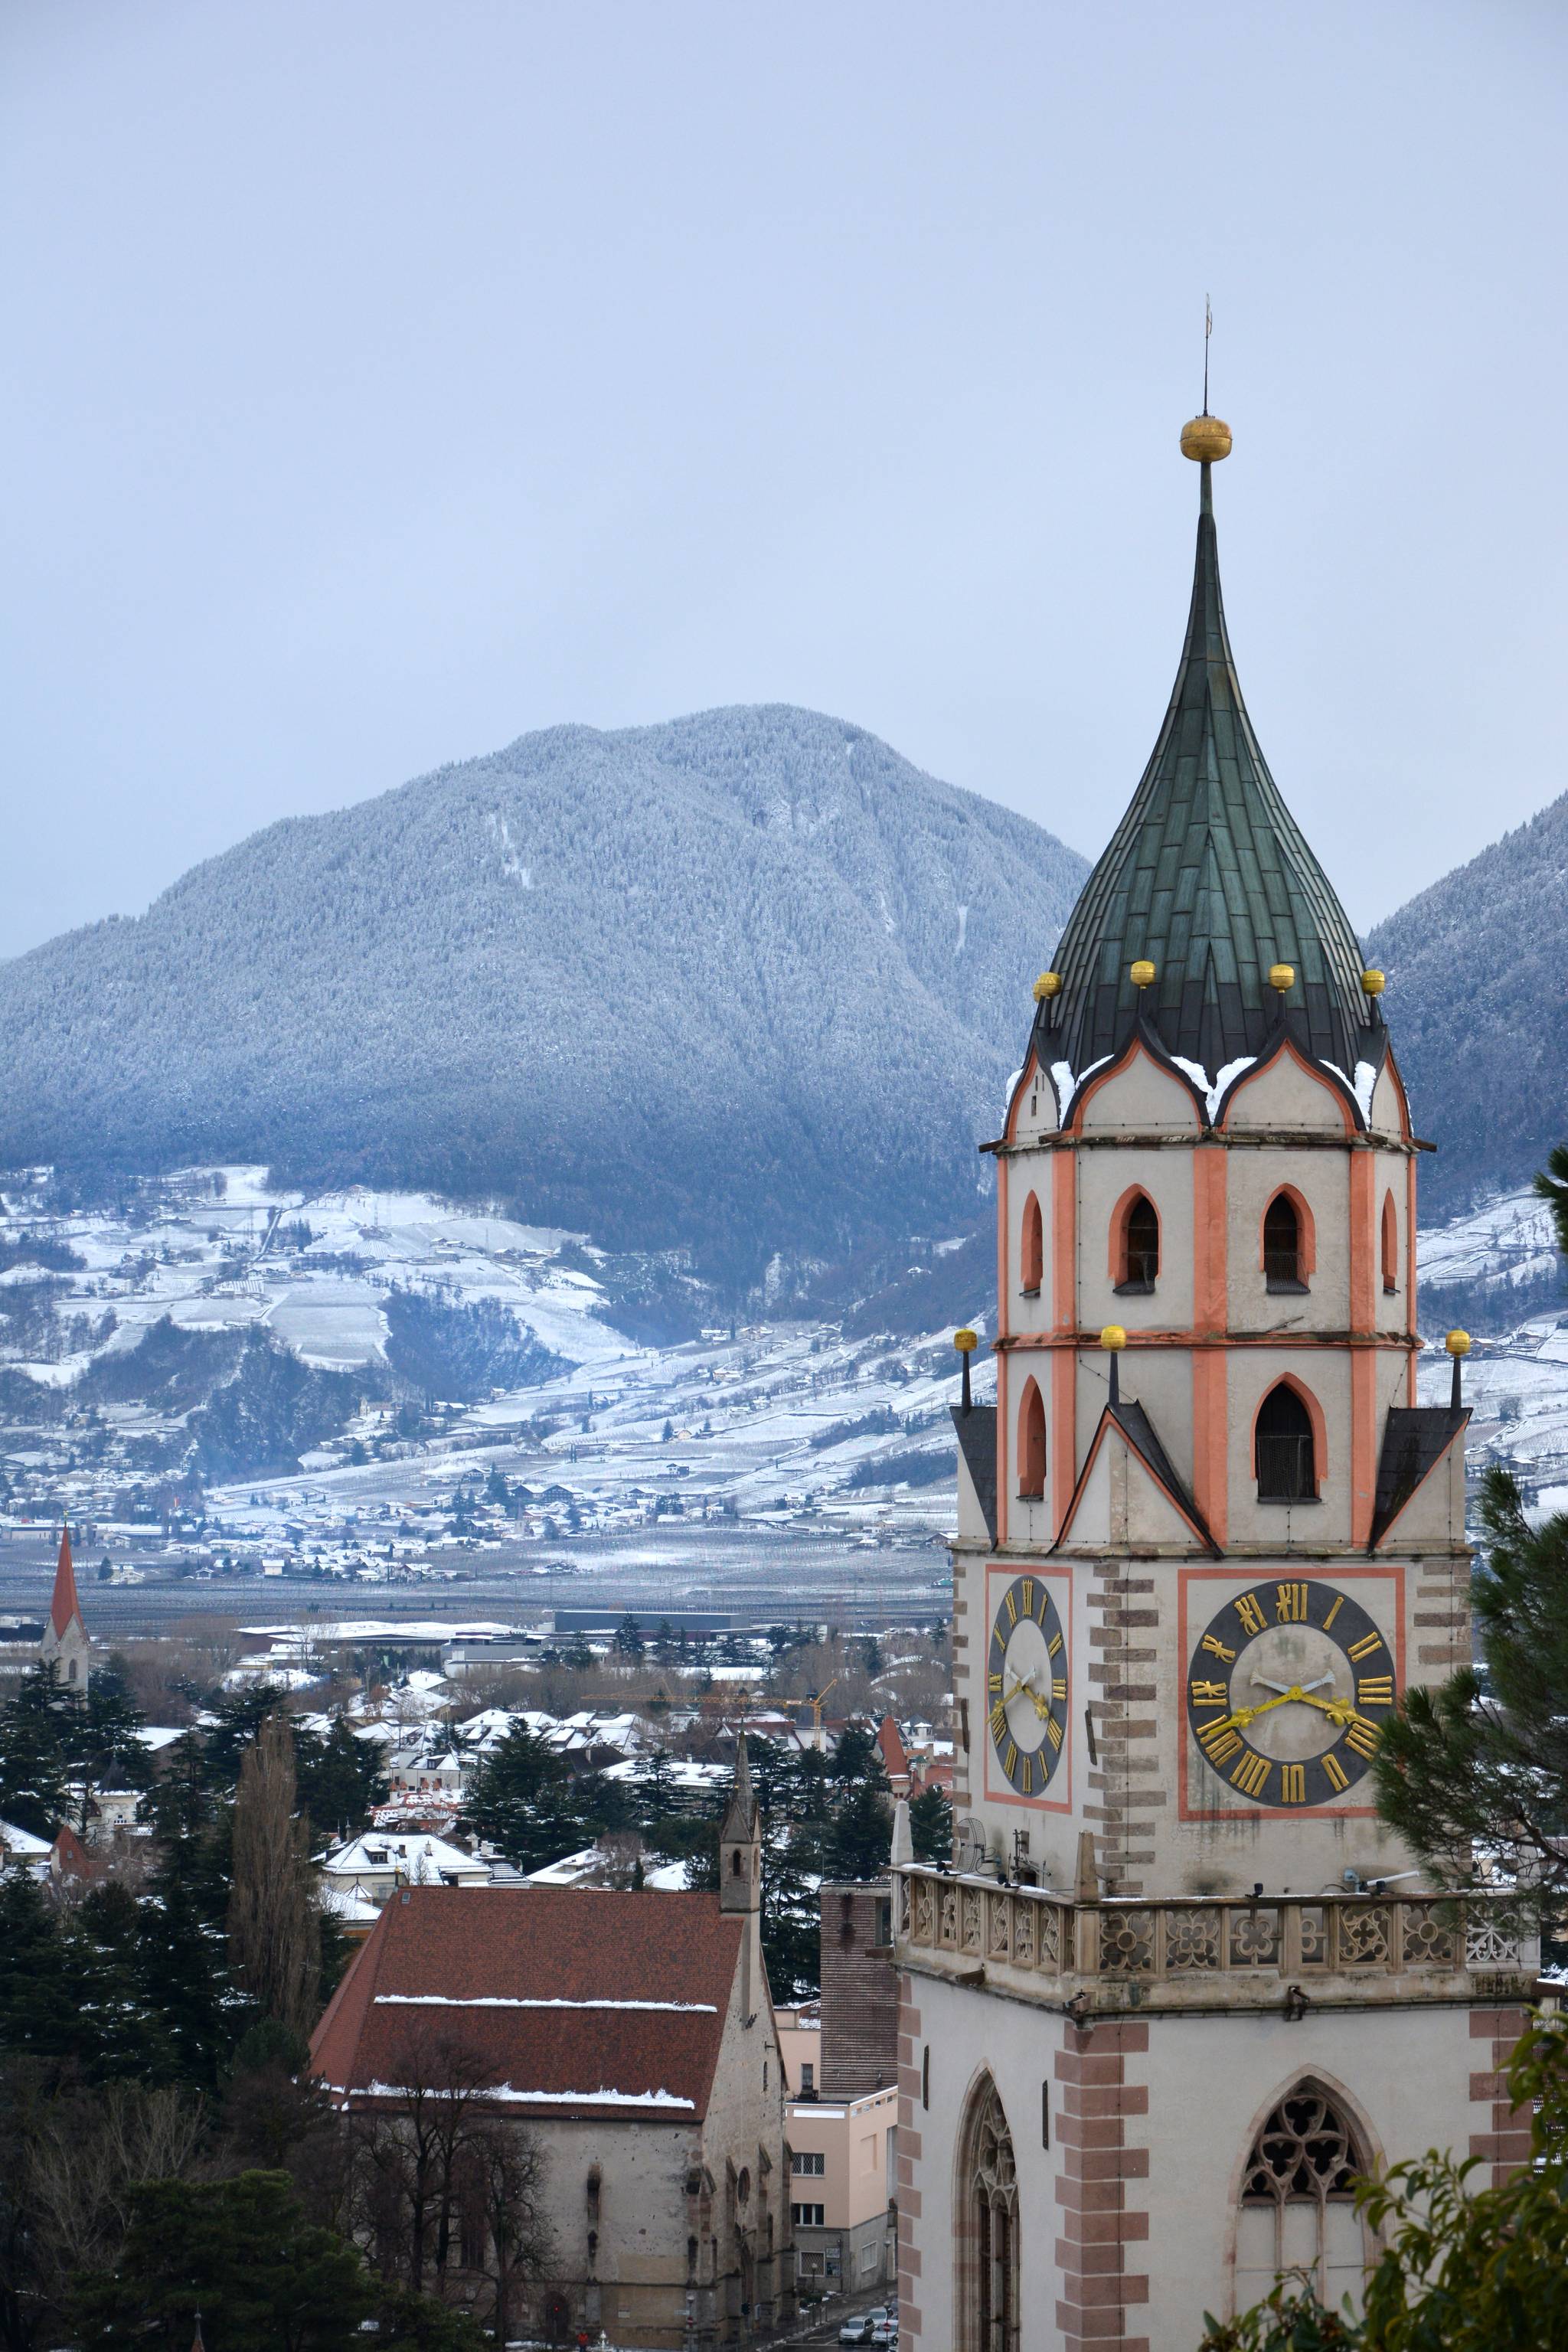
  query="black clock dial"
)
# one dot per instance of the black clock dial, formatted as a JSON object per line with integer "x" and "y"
{"x": 1288, "y": 1688}
{"x": 1026, "y": 1685}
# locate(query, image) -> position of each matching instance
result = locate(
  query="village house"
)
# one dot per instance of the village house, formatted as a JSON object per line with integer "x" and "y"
{"x": 633, "y": 2036}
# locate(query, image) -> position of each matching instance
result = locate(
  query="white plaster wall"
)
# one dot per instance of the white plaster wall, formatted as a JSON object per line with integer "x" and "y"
{"x": 1103, "y": 1177}
{"x": 1406, "y": 2075}
{"x": 1250, "y": 1373}
{"x": 1322, "y": 1178}
{"x": 1029, "y": 1172}
{"x": 1284, "y": 1094}
{"x": 969, "y": 2033}
{"x": 1143, "y": 1099}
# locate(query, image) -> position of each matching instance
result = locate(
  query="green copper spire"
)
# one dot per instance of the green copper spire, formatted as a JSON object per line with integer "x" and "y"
{"x": 1209, "y": 878}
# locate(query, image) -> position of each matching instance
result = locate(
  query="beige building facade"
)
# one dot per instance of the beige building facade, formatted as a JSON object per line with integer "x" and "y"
{"x": 1181, "y": 1984}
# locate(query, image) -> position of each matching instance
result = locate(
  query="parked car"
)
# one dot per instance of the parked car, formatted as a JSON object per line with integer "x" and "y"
{"x": 859, "y": 2330}
{"x": 884, "y": 2331}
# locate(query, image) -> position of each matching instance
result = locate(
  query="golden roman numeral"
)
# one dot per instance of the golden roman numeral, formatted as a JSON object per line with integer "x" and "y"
{"x": 1290, "y": 1606}
{"x": 1217, "y": 1649}
{"x": 1292, "y": 1784}
{"x": 1053, "y": 1645}
{"x": 1028, "y": 1776}
{"x": 1207, "y": 1694}
{"x": 1009, "y": 1761}
{"x": 1252, "y": 1774}
{"x": 1339, "y": 1604}
{"x": 1012, "y": 1610}
{"x": 994, "y": 1682}
{"x": 1053, "y": 1731}
{"x": 1059, "y": 1686}
{"x": 996, "y": 1636}
{"x": 1375, "y": 1690}
{"x": 1218, "y": 1741}
{"x": 1028, "y": 1592}
{"x": 1365, "y": 1646}
{"x": 1250, "y": 1614}
{"x": 1362, "y": 1737}
{"x": 998, "y": 1720}
{"x": 1336, "y": 1776}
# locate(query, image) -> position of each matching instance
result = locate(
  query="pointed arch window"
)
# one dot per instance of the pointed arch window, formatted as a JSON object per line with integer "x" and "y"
{"x": 1032, "y": 1444}
{"x": 1138, "y": 1246}
{"x": 1032, "y": 1255}
{"x": 1298, "y": 2209}
{"x": 1390, "y": 1244}
{"x": 988, "y": 2224}
{"x": 1285, "y": 1450}
{"x": 1284, "y": 1257}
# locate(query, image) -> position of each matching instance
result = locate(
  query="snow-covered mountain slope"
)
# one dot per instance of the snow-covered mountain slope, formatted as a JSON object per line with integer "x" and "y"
{"x": 748, "y": 981}
{"x": 1478, "y": 1008}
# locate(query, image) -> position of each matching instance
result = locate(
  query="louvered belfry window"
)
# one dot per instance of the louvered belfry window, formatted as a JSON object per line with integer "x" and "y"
{"x": 1281, "y": 1240}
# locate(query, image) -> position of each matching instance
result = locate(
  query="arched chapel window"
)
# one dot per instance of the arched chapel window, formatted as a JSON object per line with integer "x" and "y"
{"x": 1032, "y": 1444}
{"x": 988, "y": 2231}
{"x": 1284, "y": 1265}
{"x": 1285, "y": 1454}
{"x": 1390, "y": 1244}
{"x": 1138, "y": 1260}
{"x": 1298, "y": 2211}
{"x": 1032, "y": 1257}
{"x": 70, "y": 1671}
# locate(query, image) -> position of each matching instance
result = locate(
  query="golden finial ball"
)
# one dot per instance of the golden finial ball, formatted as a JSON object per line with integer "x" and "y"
{"x": 1205, "y": 439}
{"x": 1458, "y": 1343}
{"x": 1143, "y": 973}
{"x": 1372, "y": 983}
{"x": 1283, "y": 976}
{"x": 1113, "y": 1339}
{"x": 1049, "y": 983}
{"x": 966, "y": 1341}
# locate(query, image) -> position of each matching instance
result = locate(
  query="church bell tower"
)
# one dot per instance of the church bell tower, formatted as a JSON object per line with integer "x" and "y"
{"x": 1180, "y": 1984}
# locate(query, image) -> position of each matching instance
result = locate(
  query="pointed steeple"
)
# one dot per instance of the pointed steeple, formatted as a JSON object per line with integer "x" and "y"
{"x": 1209, "y": 877}
{"x": 64, "y": 1646}
{"x": 741, "y": 1842}
{"x": 65, "y": 1606}
{"x": 741, "y": 1814}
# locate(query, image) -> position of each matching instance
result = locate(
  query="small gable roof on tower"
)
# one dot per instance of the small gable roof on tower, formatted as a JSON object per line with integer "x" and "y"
{"x": 1174, "y": 1520}
{"x": 1414, "y": 1440}
{"x": 1209, "y": 877}
{"x": 563, "y": 2001}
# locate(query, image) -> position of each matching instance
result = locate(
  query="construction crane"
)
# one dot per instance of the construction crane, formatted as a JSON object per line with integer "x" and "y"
{"x": 813, "y": 1699}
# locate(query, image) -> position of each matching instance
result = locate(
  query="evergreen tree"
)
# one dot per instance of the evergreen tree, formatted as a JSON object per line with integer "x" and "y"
{"x": 242, "y": 2254}
{"x": 39, "y": 1735}
{"x": 930, "y": 1824}
{"x": 341, "y": 1779}
{"x": 522, "y": 1797}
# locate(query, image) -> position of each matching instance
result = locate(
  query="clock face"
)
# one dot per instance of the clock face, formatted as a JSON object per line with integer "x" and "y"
{"x": 1026, "y": 1685}
{"x": 1288, "y": 1691}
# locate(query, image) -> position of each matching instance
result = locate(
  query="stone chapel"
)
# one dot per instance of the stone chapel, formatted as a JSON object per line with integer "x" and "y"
{"x": 1179, "y": 1984}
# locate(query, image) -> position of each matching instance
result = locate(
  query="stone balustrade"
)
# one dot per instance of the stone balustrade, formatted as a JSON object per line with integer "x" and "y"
{"x": 1194, "y": 1952}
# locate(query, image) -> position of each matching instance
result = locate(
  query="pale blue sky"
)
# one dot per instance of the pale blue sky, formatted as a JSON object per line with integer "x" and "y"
{"x": 381, "y": 381}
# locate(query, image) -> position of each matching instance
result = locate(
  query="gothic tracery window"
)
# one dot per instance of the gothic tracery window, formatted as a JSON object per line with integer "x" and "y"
{"x": 1298, "y": 2211}
{"x": 988, "y": 2267}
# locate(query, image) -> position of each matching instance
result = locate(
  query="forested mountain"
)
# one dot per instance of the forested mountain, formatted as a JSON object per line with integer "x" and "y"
{"x": 1477, "y": 1010}
{"x": 747, "y": 982}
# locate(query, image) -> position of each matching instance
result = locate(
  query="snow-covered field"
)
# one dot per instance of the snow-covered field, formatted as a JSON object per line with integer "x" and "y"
{"x": 683, "y": 1470}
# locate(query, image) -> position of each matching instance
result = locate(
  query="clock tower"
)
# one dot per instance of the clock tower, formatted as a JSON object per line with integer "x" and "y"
{"x": 1180, "y": 1984}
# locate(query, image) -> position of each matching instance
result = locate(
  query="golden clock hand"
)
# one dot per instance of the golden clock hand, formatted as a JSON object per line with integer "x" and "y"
{"x": 1339, "y": 1711}
{"x": 1242, "y": 1716}
{"x": 1042, "y": 1706}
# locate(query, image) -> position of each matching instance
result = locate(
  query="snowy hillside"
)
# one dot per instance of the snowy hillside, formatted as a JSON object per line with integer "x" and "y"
{"x": 745, "y": 983}
{"x": 1478, "y": 1008}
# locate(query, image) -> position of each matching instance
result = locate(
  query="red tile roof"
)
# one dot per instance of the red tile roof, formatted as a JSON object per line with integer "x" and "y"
{"x": 564, "y": 2000}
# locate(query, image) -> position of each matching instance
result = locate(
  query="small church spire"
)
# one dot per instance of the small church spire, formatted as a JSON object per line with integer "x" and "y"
{"x": 65, "y": 1644}
{"x": 65, "y": 1606}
